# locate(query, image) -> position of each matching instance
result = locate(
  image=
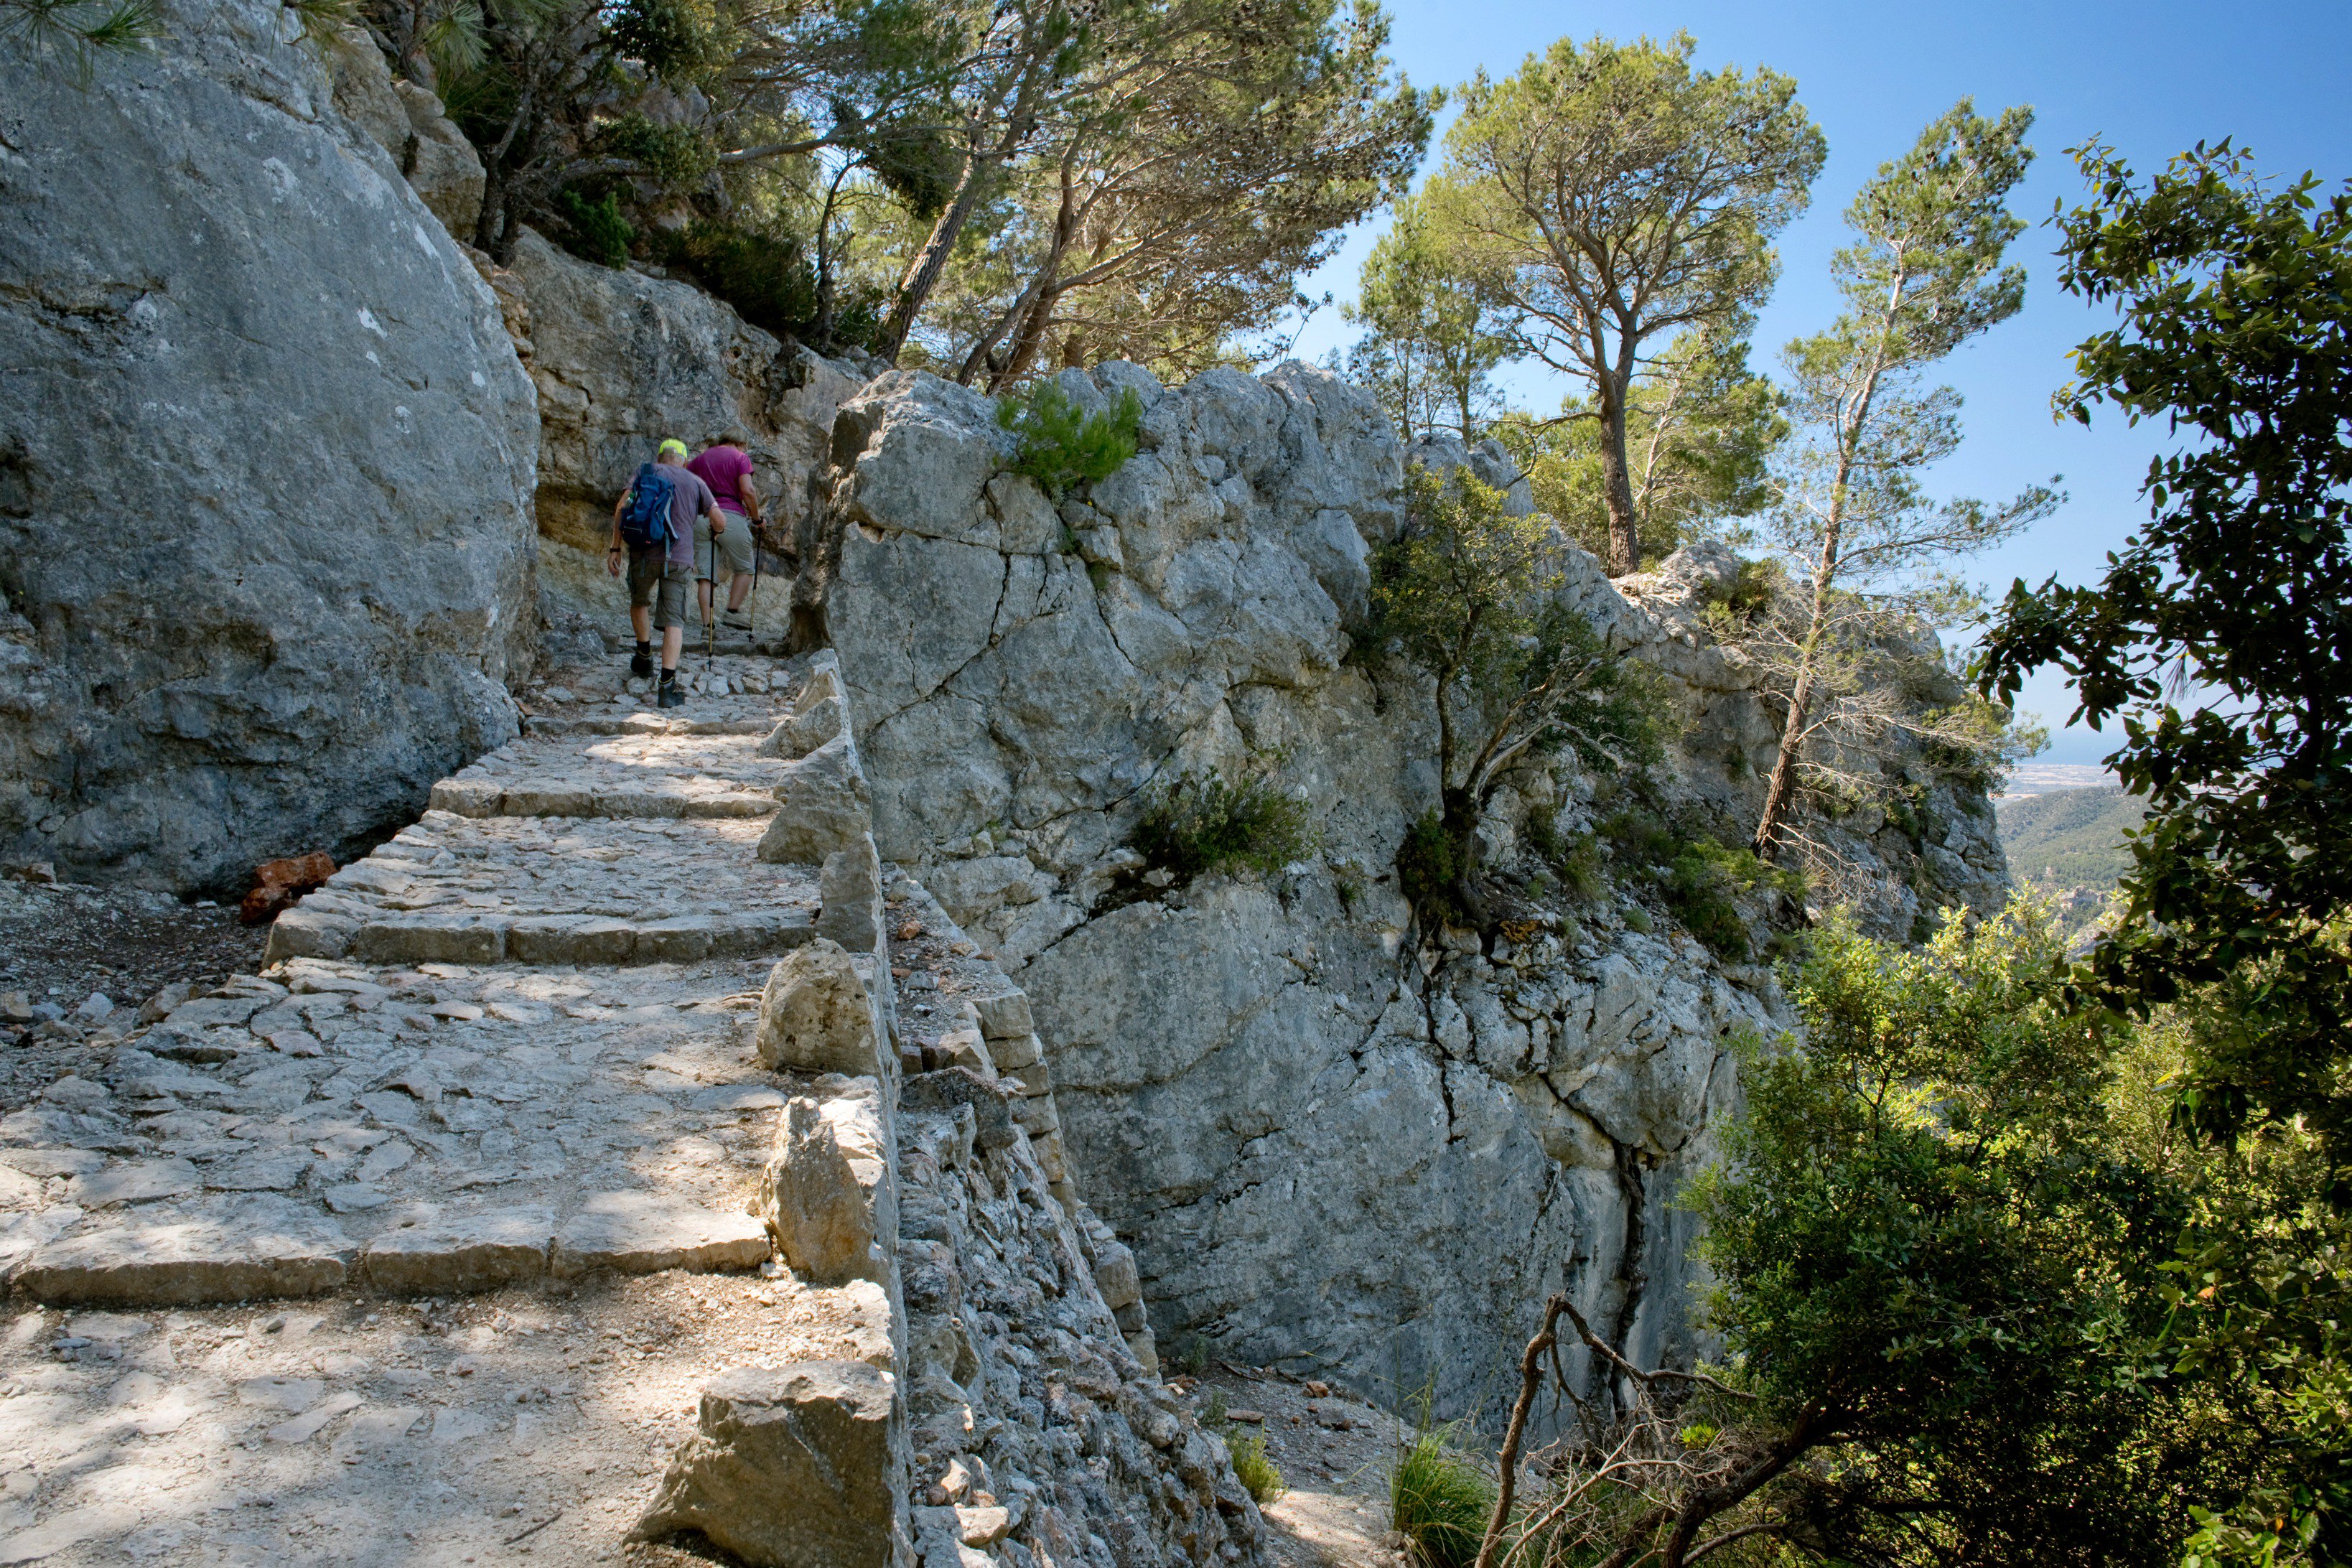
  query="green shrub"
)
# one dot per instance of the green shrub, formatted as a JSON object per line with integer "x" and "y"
{"x": 1061, "y": 447}
{"x": 1202, "y": 824}
{"x": 1573, "y": 858}
{"x": 1699, "y": 878}
{"x": 1256, "y": 1471}
{"x": 1439, "y": 1501}
{"x": 1429, "y": 871}
{"x": 595, "y": 231}
{"x": 765, "y": 277}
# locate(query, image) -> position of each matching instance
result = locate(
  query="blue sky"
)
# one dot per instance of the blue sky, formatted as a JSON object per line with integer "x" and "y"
{"x": 2151, "y": 78}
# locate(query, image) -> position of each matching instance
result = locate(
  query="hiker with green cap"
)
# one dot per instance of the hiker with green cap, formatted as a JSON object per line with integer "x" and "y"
{"x": 653, "y": 532}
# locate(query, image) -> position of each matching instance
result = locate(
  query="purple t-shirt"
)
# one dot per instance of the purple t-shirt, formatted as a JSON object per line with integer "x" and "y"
{"x": 689, "y": 497}
{"x": 724, "y": 468}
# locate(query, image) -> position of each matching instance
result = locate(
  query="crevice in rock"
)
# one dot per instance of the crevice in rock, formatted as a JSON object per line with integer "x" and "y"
{"x": 1630, "y": 1277}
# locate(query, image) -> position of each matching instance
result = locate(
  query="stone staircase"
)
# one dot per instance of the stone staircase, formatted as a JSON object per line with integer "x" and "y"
{"x": 525, "y": 1163}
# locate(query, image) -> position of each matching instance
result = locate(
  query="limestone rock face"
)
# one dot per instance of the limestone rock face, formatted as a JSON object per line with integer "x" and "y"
{"x": 1330, "y": 1138}
{"x": 265, "y": 489}
{"x": 623, "y": 360}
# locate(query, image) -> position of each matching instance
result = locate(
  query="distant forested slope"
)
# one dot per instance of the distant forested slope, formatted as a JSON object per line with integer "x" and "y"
{"x": 2069, "y": 845}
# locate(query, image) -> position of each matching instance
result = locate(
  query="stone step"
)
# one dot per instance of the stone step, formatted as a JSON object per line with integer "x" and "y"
{"x": 425, "y": 1130}
{"x": 623, "y": 771}
{"x": 238, "y": 1255}
{"x": 617, "y": 723}
{"x": 541, "y": 890}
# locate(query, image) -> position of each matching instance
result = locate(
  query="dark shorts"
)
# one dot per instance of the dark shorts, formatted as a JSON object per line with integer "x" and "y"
{"x": 651, "y": 570}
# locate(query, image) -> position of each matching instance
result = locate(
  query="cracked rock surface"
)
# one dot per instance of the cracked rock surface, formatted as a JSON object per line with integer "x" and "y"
{"x": 1335, "y": 1141}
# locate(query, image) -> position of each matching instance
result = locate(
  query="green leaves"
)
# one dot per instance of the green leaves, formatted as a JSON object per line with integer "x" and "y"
{"x": 1060, "y": 445}
{"x": 1474, "y": 598}
{"x": 75, "y": 33}
{"x": 1934, "y": 1237}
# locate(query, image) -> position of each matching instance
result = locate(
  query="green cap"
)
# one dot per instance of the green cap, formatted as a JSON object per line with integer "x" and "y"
{"x": 673, "y": 445}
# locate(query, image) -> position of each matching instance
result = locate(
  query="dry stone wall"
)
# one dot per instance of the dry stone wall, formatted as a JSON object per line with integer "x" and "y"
{"x": 266, "y": 475}
{"x": 1333, "y": 1141}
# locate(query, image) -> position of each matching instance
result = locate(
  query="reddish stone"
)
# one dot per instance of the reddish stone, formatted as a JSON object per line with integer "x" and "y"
{"x": 279, "y": 884}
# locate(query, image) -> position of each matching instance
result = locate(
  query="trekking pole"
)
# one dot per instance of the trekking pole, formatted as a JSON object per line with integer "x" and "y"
{"x": 752, "y": 634}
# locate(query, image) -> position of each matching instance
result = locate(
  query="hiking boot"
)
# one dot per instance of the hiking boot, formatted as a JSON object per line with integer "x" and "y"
{"x": 641, "y": 665}
{"x": 736, "y": 620}
{"x": 669, "y": 696}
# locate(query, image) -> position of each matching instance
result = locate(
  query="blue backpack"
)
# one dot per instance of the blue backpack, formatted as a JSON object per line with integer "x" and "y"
{"x": 644, "y": 520}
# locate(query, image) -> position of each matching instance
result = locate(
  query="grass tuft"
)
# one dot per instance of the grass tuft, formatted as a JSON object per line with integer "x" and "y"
{"x": 1439, "y": 1502}
{"x": 1255, "y": 1469}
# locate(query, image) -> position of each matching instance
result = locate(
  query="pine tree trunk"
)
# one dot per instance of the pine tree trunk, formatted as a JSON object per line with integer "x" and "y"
{"x": 923, "y": 273}
{"x": 1784, "y": 767}
{"x": 1617, "y": 486}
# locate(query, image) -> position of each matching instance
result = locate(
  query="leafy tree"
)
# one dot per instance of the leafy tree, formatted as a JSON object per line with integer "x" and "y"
{"x": 1015, "y": 63}
{"x": 1939, "y": 1256}
{"x": 2233, "y": 297}
{"x": 1473, "y": 597}
{"x": 1611, "y": 198}
{"x": 1923, "y": 275}
{"x": 1431, "y": 338}
{"x": 1210, "y": 150}
{"x": 1701, "y": 429}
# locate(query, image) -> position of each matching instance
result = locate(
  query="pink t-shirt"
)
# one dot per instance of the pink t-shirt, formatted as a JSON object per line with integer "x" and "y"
{"x": 723, "y": 469}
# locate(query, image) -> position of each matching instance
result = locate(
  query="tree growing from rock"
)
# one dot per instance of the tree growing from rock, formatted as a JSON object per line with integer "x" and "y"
{"x": 1609, "y": 198}
{"x": 1476, "y": 600}
{"x": 1923, "y": 275}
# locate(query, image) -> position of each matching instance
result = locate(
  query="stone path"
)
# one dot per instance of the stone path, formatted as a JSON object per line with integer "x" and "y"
{"x": 424, "y": 1244}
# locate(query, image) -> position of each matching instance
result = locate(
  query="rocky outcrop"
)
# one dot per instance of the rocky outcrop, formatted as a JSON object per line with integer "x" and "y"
{"x": 408, "y": 122}
{"x": 623, "y": 360}
{"x": 266, "y": 462}
{"x": 1332, "y": 1139}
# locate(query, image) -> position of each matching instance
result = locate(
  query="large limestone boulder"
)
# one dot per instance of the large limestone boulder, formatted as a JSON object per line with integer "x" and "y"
{"x": 266, "y": 479}
{"x": 622, "y": 360}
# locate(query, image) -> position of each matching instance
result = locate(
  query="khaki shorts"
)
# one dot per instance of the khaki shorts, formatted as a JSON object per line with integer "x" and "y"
{"x": 652, "y": 569}
{"x": 734, "y": 547}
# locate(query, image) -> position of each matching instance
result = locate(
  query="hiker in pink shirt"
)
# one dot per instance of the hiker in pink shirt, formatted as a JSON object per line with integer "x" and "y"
{"x": 727, "y": 471}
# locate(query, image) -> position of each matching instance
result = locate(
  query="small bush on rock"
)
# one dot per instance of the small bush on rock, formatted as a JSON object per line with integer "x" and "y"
{"x": 1062, "y": 447}
{"x": 595, "y": 231}
{"x": 765, "y": 276}
{"x": 1430, "y": 871}
{"x": 1256, "y": 1471}
{"x": 1203, "y": 823}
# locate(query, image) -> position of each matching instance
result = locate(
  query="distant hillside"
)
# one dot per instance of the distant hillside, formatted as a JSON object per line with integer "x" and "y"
{"x": 2069, "y": 845}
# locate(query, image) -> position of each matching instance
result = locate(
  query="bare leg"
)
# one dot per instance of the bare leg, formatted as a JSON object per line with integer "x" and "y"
{"x": 641, "y": 621}
{"x": 737, "y": 590}
{"x": 673, "y": 639}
